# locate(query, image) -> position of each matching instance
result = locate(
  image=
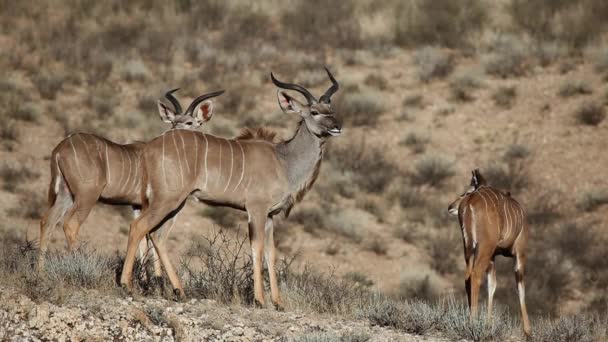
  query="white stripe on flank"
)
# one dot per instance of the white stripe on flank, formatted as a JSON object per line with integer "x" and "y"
{"x": 484, "y": 200}
{"x": 185, "y": 155}
{"x": 473, "y": 225}
{"x": 507, "y": 220}
{"x": 108, "y": 163}
{"x": 243, "y": 169}
{"x": 122, "y": 167}
{"x": 219, "y": 172}
{"x": 206, "y": 151}
{"x": 84, "y": 144}
{"x": 129, "y": 174}
{"x": 162, "y": 163}
{"x": 195, "y": 143}
{"x": 179, "y": 161}
{"x": 231, "y": 165}
{"x": 76, "y": 158}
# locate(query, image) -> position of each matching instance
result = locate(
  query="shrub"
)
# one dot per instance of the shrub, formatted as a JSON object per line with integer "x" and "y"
{"x": 579, "y": 328}
{"x": 442, "y": 251}
{"x": 14, "y": 175}
{"x": 432, "y": 171}
{"x": 307, "y": 25}
{"x": 217, "y": 268}
{"x": 312, "y": 219}
{"x": 433, "y": 62}
{"x": 30, "y": 206}
{"x": 504, "y": 96}
{"x": 415, "y": 142}
{"x": 223, "y": 216}
{"x": 48, "y": 85}
{"x": 412, "y": 317}
{"x": 415, "y": 100}
{"x": 28, "y": 112}
{"x": 548, "y": 53}
{"x": 135, "y": 70}
{"x": 375, "y": 80}
{"x": 82, "y": 268}
{"x": 544, "y": 209}
{"x": 458, "y": 324}
{"x": 600, "y": 59}
{"x": 332, "y": 337}
{"x": 592, "y": 200}
{"x": 573, "y": 88}
{"x": 507, "y": 57}
{"x": 378, "y": 246}
{"x": 9, "y": 133}
{"x": 442, "y": 22}
{"x": 361, "y": 108}
{"x": 463, "y": 84}
{"x": 359, "y": 278}
{"x": 590, "y": 113}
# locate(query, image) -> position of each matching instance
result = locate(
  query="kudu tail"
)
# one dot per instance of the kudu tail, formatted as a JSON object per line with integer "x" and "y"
{"x": 471, "y": 261}
{"x": 59, "y": 197}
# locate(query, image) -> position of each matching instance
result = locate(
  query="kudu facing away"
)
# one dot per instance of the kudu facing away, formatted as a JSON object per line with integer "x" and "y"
{"x": 250, "y": 173}
{"x": 86, "y": 168}
{"x": 492, "y": 223}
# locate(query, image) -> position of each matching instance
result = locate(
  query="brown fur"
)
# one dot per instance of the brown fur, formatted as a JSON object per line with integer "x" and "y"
{"x": 258, "y": 133}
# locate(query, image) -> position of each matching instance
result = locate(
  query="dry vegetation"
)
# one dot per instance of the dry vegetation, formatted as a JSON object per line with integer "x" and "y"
{"x": 429, "y": 91}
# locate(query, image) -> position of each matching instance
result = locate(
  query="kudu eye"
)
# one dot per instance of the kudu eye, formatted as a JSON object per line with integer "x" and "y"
{"x": 314, "y": 112}
{"x": 189, "y": 123}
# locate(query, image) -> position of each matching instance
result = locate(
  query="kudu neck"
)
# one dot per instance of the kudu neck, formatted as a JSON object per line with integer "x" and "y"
{"x": 301, "y": 155}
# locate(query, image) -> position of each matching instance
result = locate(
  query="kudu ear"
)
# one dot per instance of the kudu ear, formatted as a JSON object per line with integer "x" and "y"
{"x": 203, "y": 111}
{"x": 288, "y": 104}
{"x": 477, "y": 180}
{"x": 166, "y": 114}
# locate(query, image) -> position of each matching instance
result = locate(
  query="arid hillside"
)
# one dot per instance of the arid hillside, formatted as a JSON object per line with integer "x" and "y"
{"x": 429, "y": 90}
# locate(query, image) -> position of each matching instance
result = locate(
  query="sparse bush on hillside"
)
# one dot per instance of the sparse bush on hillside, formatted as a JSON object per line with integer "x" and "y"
{"x": 592, "y": 200}
{"x": 577, "y": 328}
{"x": 48, "y": 85}
{"x": 505, "y": 96}
{"x": 463, "y": 85}
{"x": 216, "y": 267}
{"x": 590, "y": 113}
{"x": 225, "y": 217}
{"x": 432, "y": 170}
{"x": 441, "y": 22}
{"x": 359, "y": 278}
{"x": 377, "y": 81}
{"x": 361, "y": 108}
{"x": 15, "y": 175}
{"x": 9, "y": 134}
{"x": 512, "y": 174}
{"x": 29, "y": 112}
{"x": 82, "y": 268}
{"x": 415, "y": 142}
{"x": 458, "y": 323}
{"x": 414, "y": 101}
{"x": 99, "y": 69}
{"x": 573, "y": 88}
{"x": 135, "y": 70}
{"x": 413, "y": 317}
{"x": 599, "y": 56}
{"x": 443, "y": 251}
{"x": 30, "y": 206}
{"x": 548, "y": 53}
{"x": 433, "y": 62}
{"x": 378, "y": 246}
{"x": 332, "y": 337}
{"x": 321, "y": 25}
{"x": 507, "y": 57}
{"x": 313, "y": 219}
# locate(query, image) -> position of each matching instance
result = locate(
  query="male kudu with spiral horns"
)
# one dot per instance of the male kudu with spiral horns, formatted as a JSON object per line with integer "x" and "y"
{"x": 251, "y": 173}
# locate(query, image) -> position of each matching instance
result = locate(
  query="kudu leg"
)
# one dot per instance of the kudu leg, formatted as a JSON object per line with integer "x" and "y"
{"x": 491, "y": 282}
{"x": 166, "y": 263}
{"x": 271, "y": 258}
{"x": 521, "y": 291}
{"x": 75, "y": 216}
{"x": 49, "y": 221}
{"x": 479, "y": 269}
{"x": 257, "y": 222}
{"x": 149, "y": 219}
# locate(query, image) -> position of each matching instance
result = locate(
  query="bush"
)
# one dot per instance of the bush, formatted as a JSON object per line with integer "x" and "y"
{"x": 432, "y": 171}
{"x": 30, "y": 206}
{"x": 48, "y": 85}
{"x": 82, "y": 268}
{"x": 441, "y": 22}
{"x": 361, "y": 108}
{"x": 135, "y": 70}
{"x": 507, "y": 57}
{"x": 548, "y": 53}
{"x": 433, "y": 62}
{"x": 573, "y": 88}
{"x": 332, "y": 337}
{"x": 592, "y": 200}
{"x": 378, "y": 246}
{"x": 412, "y": 317}
{"x": 462, "y": 85}
{"x": 415, "y": 142}
{"x": 14, "y": 175}
{"x": 590, "y": 113}
{"x": 504, "y": 96}
{"x": 225, "y": 217}
{"x": 415, "y": 100}
{"x": 458, "y": 324}
{"x": 310, "y": 22}
{"x": 216, "y": 267}
{"x": 375, "y": 80}
{"x": 579, "y": 328}
{"x": 443, "y": 249}
{"x": 28, "y": 112}
{"x": 600, "y": 59}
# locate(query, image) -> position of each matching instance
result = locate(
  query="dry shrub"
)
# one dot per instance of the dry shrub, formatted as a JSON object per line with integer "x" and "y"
{"x": 432, "y": 171}
{"x": 444, "y": 251}
{"x": 377, "y": 81}
{"x": 512, "y": 172}
{"x": 590, "y": 114}
{"x": 413, "y": 317}
{"x": 48, "y": 84}
{"x": 225, "y": 217}
{"x": 216, "y": 267}
{"x": 548, "y": 53}
{"x": 417, "y": 143}
{"x": 505, "y": 96}
{"x": 433, "y": 62}
{"x": 442, "y": 22}
{"x": 577, "y": 328}
{"x": 572, "y": 88}
{"x": 507, "y": 57}
{"x": 463, "y": 85}
{"x": 310, "y": 23}
{"x": 361, "y": 108}
{"x": 457, "y": 323}
{"x": 30, "y": 206}
{"x": 592, "y": 200}
{"x": 333, "y": 337}
{"x": 14, "y": 176}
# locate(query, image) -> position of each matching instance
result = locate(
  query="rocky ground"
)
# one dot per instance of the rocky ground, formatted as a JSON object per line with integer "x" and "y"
{"x": 91, "y": 316}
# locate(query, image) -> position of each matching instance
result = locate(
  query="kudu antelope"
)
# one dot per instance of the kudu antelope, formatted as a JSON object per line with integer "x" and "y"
{"x": 86, "y": 168}
{"x": 493, "y": 223}
{"x": 250, "y": 173}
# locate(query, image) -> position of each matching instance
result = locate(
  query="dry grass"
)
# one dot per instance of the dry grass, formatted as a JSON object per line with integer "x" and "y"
{"x": 13, "y": 176}
{"x": 505, "y": 96}
{"x": 433, "y": 62}
{"x": 590, "y": 114}
{"x": 432, "y": 170}
{"x": 572, "y": 88}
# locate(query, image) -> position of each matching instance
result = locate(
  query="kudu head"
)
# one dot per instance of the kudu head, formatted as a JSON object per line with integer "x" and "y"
{"x": 198, "y": 112}
{"x": 477, "y": 180}
{"x": 317, "y": 114}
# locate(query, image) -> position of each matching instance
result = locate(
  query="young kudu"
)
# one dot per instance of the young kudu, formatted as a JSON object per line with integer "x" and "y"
{"x": 252, "y": 174}
{"x": 86, "y": 168}
{"x": 492, "y": 223}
